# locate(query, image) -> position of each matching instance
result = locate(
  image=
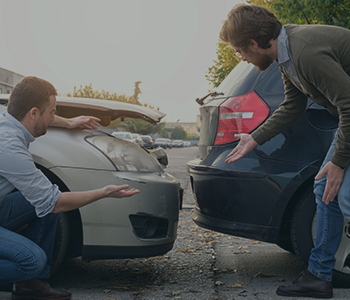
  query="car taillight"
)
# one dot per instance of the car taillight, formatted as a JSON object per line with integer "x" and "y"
{"x": 241, "y": 114}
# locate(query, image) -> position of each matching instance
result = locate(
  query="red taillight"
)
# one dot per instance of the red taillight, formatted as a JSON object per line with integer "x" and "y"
{"x": 241, "y": 114}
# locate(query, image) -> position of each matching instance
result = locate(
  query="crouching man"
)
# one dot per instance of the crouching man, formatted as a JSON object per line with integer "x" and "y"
{"x": 26, "y": 260}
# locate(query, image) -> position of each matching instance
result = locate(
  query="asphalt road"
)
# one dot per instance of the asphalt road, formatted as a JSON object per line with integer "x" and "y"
{"x": 202, "y": 265}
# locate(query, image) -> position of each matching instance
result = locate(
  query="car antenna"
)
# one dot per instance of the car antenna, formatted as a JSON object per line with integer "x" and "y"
{"x": 302, "y": 11}
{"x": 213, "y": 94}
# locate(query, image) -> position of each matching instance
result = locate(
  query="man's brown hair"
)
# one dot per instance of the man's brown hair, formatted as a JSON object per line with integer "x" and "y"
{"x": 28, "y": 93}
{"x": 250, "y": 22}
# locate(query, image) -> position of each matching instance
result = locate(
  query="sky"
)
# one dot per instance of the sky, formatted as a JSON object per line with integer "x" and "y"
{"x": 168, "y": 45}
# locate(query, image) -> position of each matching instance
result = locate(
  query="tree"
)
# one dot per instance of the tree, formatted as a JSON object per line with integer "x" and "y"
{"x": 179, "y": 133}
{"x": 89, "y": 92}
{"x": 330, "y": 12}
{"x": 224, "y": 64}
{"x": 137, "y": 91}
{"x": 142, "y": 126}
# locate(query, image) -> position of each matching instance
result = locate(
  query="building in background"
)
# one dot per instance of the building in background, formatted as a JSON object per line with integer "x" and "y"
{"x": 8, "y": 80}
{"x": 192, "y": 128}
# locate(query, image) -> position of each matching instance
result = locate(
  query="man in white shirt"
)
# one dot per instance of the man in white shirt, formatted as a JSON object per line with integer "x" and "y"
{"x": 25, "y": 260}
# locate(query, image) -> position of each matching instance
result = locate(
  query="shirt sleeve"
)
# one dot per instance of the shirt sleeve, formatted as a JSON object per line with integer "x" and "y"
{"x": 285, "y": 115}
{"x": 18, "y": 167}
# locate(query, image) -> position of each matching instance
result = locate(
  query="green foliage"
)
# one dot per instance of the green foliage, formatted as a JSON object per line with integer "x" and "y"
{"x": 150, "y": 106}
{"x": 89, "y": 92}
{"x": 224, "y": 64}
{"x": 143, "y": 127}
{"x": 179, "y": 133}
{"x": 164, "y": 133}
{"x": 330, "y": 12}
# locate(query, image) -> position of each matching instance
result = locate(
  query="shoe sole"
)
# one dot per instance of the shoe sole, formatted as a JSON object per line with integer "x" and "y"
{"x": 14, "y": 297}
{"x": 310, "y": 295}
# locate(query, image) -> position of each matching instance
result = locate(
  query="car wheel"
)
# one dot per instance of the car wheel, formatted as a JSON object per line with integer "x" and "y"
{"x": 61, "y": 242}
{"x": 303, "y": 236}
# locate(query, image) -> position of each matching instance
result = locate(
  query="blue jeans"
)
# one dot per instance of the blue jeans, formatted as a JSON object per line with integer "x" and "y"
{"x": 26, "y": 256}
{"x": 330, "y": 223}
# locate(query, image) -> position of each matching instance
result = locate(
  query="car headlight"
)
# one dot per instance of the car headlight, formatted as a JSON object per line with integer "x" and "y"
{"x": 126, "y": 156}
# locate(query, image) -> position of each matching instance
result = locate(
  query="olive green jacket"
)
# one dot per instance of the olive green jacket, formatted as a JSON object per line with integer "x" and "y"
{"x": 321, "y": 57}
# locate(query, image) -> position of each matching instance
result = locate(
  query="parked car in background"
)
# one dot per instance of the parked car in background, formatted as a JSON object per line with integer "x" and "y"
{"x": 187, "y": 144}
{"x": 77, "y": 160}
{"x": 169, "y": 143}
{"x": 137, "y": 138}
{"x": 268, "y": 194}
{"x": 124, "y": 135}
{"x": 147, "y": 141}
{"x": 178, "y": 143}
{"x": 160, "y": 142}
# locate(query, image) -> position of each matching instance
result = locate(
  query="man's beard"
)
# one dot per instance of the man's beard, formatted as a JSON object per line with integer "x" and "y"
{"x": 39, "y": 129}
{"x": 263, "y": 62}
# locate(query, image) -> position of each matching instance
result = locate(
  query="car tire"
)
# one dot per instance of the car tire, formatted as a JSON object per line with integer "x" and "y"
{"x": 303, "y": 235}
{"x": 61, "y": 242}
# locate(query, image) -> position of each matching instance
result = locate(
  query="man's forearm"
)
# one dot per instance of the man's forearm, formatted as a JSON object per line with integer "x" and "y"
{"x": 59, "y": 122}
{"x": 73, "y": 200}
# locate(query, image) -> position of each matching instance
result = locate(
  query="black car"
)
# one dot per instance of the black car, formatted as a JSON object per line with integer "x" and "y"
{"x": 147, "y": 141}
{"x": 268, "y": 194}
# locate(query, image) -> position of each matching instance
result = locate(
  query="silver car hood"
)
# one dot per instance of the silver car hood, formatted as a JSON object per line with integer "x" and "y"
{"x": 106, "y": 110}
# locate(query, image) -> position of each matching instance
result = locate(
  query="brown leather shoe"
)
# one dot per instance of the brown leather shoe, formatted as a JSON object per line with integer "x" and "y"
{"x": 37, "y": 290}
{"x": 307, "y": 285}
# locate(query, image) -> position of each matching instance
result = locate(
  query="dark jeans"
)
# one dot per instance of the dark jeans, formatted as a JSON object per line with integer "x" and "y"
{"x": 26, "y": 256}
{"x": 330, "y": 223}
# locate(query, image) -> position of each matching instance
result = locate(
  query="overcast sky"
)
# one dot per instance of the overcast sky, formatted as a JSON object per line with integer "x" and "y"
{"x": 168, "y": 45}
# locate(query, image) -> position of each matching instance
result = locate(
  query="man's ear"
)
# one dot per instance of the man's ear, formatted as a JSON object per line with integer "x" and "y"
{"x": 254, "y": 44}
{"x": 33, "y": 113}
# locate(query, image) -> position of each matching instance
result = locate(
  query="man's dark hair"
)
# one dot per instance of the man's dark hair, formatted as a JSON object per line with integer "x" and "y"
{"x": 250, "y": 22}
{"x": 28, "y": 93}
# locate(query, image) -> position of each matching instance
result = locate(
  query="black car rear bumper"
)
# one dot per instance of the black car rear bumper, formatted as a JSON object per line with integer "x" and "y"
{"x": 252, "y": 231}
{"x": 246, "y": 203}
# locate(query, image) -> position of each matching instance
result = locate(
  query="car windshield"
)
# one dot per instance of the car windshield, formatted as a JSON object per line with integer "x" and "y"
{"x": 237, "y": 75}
{"x": 160, "y": 140}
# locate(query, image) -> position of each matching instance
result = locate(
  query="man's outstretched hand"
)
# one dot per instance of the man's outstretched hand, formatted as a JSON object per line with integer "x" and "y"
{"x": 87, "y": 122}
{"x": 245, "y": 145}
{"x": 120, "y": 191}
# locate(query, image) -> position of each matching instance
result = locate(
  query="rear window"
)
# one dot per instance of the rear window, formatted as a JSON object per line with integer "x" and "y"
{"x": 243, "y": 79}
{"x": 237, "y": 75}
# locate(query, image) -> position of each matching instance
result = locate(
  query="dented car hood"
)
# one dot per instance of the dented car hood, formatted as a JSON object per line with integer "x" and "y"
{"x": 106, "y": 110}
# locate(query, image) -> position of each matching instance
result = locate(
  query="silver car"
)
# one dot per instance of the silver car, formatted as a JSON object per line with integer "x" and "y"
{"x": 76, "y": 160}
{"x": 124, "y": 135}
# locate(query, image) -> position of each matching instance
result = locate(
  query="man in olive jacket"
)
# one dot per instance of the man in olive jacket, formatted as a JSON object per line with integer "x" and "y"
{"x": 315, "y": 63}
